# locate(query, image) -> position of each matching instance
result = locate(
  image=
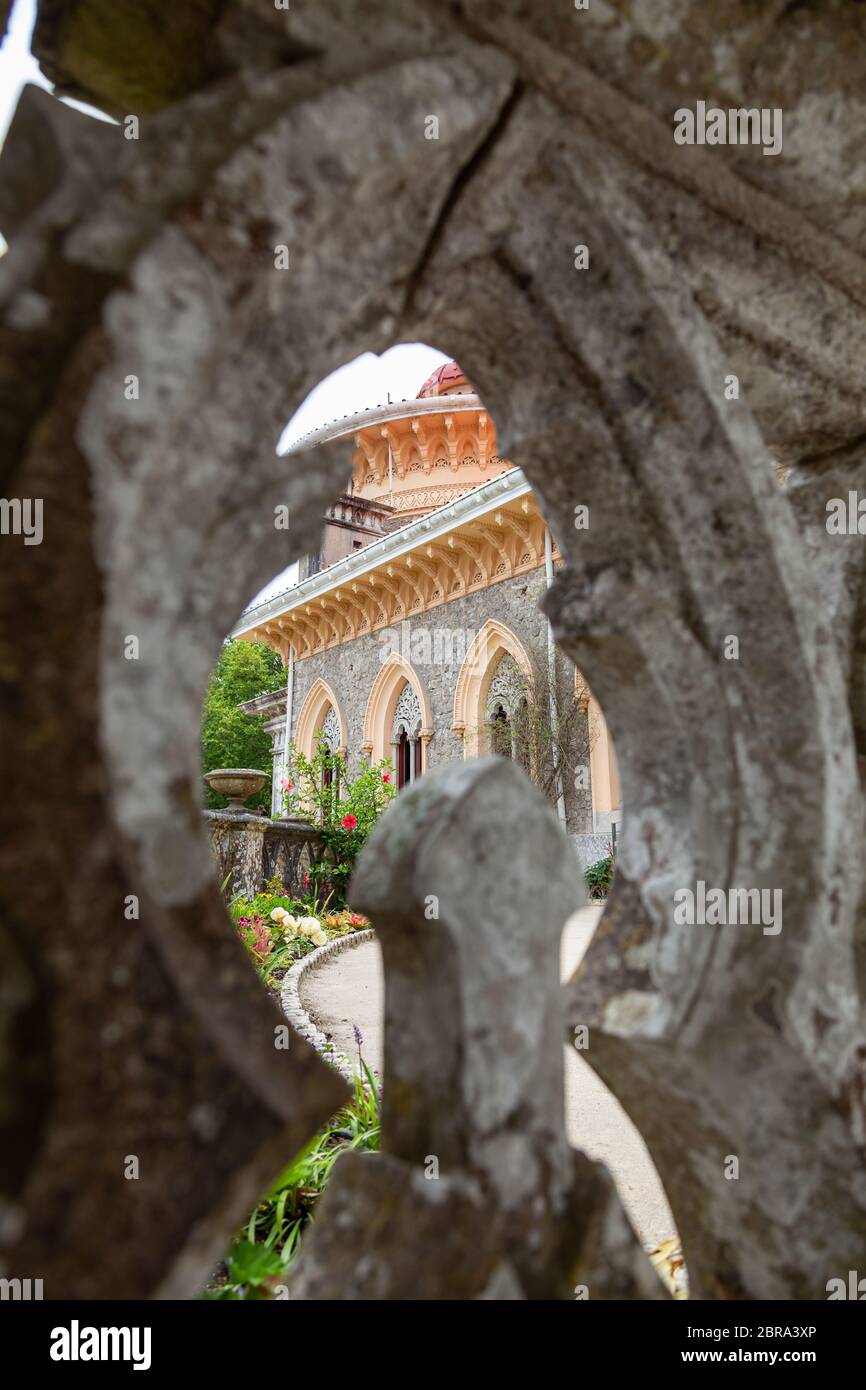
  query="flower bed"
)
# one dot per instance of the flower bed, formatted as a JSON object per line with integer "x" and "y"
{"x": 277, "y": 930}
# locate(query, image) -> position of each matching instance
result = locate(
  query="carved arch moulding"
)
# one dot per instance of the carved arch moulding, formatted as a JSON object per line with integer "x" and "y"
{"x": 321, "y": 705}
{"x": 150, "y": 264}
{"x": 391, "y": 680}
{"x": 491, "y": 641}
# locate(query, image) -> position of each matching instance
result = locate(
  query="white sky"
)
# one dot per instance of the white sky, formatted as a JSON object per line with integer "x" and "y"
{"x": 368, "y": 380}
{"x": 17, "y": 66}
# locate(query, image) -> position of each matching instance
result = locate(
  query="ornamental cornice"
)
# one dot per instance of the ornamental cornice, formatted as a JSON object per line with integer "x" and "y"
{"x": 491, "y": 534}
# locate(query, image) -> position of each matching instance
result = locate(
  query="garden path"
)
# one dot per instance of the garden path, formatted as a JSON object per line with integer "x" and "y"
{"x": 348, "y": 991}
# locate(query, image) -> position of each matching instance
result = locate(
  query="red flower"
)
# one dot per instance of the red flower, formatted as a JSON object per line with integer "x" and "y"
{"x": 350, "y": 822}
{"x": 386, "y": 776}
{"x": 306, "y": 880}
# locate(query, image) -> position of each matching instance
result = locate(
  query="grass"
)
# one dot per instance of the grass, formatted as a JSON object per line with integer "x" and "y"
{"x": 264, "y": 1249}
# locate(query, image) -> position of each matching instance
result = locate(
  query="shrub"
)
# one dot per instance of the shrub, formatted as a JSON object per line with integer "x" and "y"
{"x": 598, "y": 877}
{"x": 344, "y": 807}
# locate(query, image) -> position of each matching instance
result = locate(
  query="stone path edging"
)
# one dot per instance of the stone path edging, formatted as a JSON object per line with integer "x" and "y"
{"x": 300, "y": 1020}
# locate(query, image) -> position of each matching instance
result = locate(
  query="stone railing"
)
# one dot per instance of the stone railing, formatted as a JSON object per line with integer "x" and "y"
{"x": 249, "y": 850}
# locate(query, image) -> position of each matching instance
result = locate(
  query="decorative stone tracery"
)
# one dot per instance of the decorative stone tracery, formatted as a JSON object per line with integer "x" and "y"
{"x": 506, "y": 699}
{"x": 507, "y": 686}
{"x": 331, "y": 731}
{"x": 397, "y": 686}
{"x": 472, "y": 706}
{"x": 406, "y": 747}
{"x": 320, "y": 711}
{"x": 407, "y": 714}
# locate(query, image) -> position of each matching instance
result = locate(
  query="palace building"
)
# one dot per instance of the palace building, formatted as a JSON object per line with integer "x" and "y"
{"x": 415, "y": 633}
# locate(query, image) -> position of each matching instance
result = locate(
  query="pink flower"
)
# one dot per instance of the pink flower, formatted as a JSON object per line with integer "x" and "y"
{"x": 350, "y": 822}
{"x": 386, "y": 776}
{"x": 262, "y": 945}
{"x": 285, "y": 784}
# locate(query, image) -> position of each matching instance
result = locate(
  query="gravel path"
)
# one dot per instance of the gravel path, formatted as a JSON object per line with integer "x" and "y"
{"x": 349, "y": 990}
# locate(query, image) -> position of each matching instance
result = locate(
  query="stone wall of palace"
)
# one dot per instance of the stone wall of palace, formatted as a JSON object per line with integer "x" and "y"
{"x": 435, "y": 643}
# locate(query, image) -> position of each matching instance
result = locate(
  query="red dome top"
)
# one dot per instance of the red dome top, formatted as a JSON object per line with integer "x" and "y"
{"x": 445, "y": 381}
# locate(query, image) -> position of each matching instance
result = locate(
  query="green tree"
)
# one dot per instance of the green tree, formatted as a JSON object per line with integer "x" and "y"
{"x": 229, "y": 737}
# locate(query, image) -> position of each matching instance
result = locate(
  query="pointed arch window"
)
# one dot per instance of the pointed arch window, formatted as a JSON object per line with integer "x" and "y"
{"x": 331, "y": 737}
{"x": 507, "y": 710}
{"x": 406, "y": 736}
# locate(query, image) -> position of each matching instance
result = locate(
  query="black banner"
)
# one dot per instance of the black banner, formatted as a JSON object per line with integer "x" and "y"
{"x": 159, "y": 1339}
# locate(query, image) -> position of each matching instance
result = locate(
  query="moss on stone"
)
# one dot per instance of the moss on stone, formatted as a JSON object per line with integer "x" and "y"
{"x": 127, "y": 56}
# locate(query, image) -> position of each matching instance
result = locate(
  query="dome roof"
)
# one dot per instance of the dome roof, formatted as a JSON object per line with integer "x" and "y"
{"x": 447, "y": 380}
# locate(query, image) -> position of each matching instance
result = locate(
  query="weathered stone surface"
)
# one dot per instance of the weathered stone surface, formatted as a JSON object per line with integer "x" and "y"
{"x": 155, "y": 259}
{"x": 473, "y": 1027}
{"x": 384, "y": 1232}
{"x": 237, "y": 844}
{"x": 249, "y": 850}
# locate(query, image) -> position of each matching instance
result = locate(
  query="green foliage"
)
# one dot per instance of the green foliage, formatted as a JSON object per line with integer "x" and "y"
{"x": 598, "y": 877}
{"x": 229, "y": 737}
{"x": 269, "y": 1242}
{"x": 345, "y": 808}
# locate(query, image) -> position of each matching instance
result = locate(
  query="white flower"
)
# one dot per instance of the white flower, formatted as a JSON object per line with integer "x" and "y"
{"x": 278, "y": 914}
{"x": 319, "y": 938}
{"x": 309, "y": 924}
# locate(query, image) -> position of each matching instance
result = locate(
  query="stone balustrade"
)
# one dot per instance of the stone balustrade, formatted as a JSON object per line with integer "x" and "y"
{"x": 250, "y": 850}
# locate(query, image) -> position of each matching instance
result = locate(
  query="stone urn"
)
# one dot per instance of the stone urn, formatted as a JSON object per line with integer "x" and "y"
{"x": 237, "y": 783}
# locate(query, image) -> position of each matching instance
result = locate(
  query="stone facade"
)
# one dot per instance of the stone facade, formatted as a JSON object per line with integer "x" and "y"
{"x": 443, "y": 634}
{"x": 439, "y": 611}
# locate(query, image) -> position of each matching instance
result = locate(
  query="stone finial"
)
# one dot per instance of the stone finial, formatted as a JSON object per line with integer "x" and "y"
{"x": 468, "y": 881}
